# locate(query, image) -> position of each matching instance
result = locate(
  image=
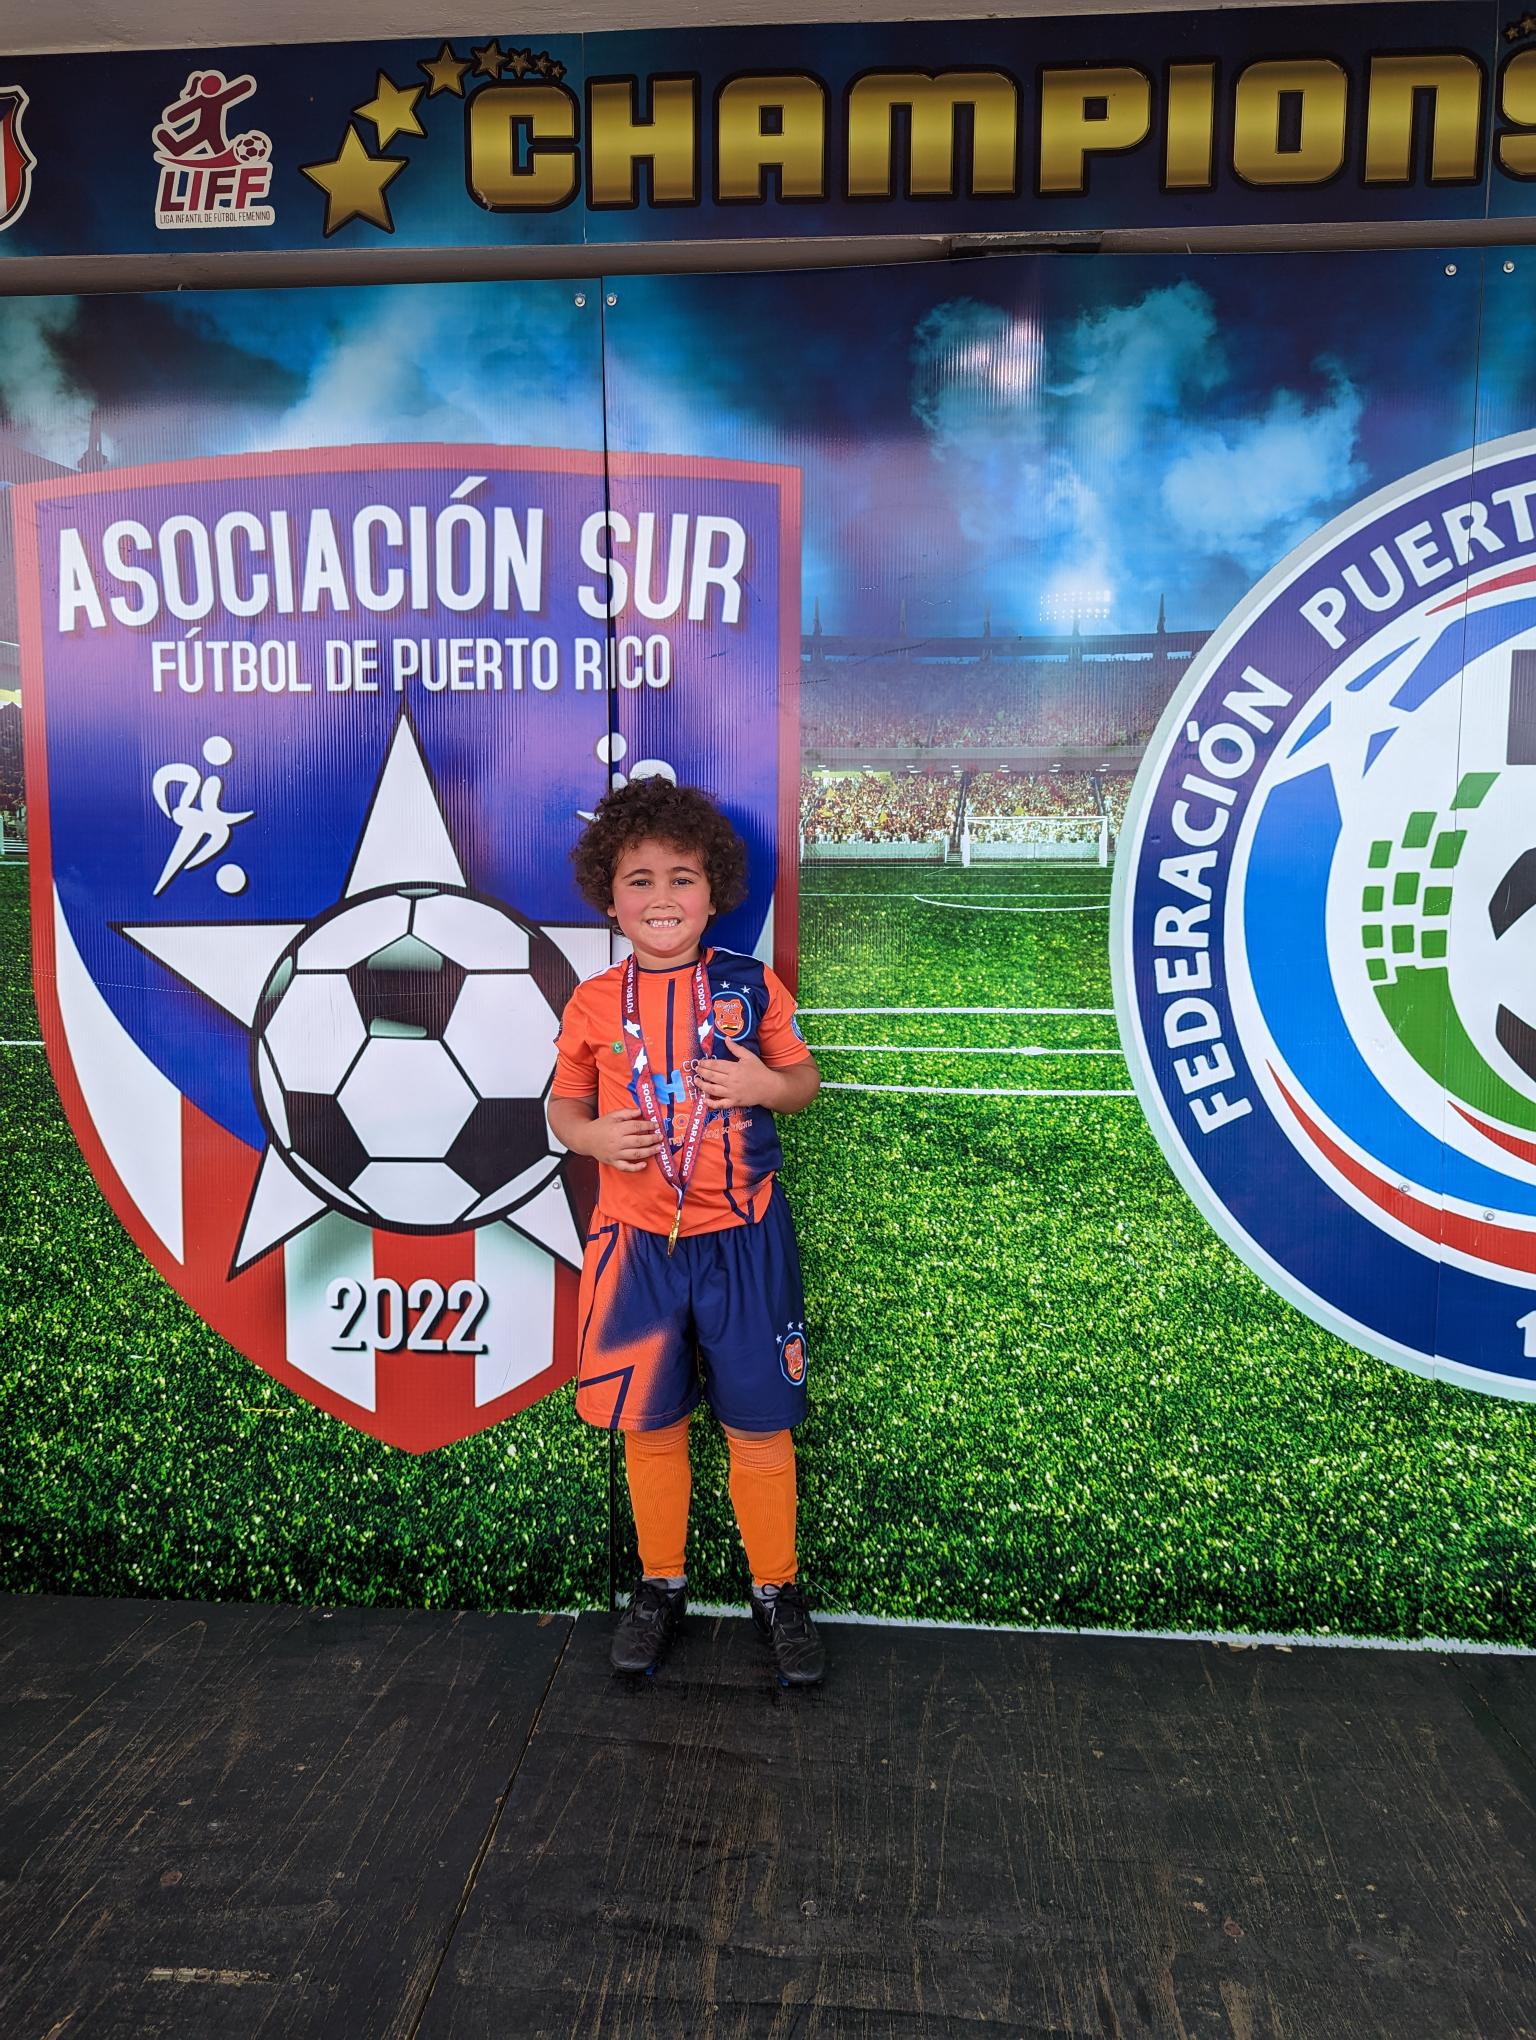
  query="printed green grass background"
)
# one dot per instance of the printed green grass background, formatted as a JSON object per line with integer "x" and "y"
{"x": 1042, "y": 1391}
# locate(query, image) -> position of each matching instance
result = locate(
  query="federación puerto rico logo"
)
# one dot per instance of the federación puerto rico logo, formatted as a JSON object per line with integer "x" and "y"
{"x": 1325, "y": 924}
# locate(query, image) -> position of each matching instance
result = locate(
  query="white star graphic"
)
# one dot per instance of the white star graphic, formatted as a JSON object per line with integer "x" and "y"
{"x": 405, "y": 841}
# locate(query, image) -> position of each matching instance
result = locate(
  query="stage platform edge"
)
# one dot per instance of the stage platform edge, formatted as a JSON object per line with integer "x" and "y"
{"x": 368, "y": 1823}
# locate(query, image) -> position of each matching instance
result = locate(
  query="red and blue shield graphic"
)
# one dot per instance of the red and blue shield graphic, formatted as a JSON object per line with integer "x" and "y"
{"x": 17, "y": 161}
{"x": 309, "y": 740}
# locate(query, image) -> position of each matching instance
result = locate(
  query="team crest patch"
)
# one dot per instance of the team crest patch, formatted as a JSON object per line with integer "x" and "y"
{"x": 17, "y": 161}
{"x": 733, "y": 1017}
{"x": 793, "y": 1356}
{"x": 1325, "y": 925}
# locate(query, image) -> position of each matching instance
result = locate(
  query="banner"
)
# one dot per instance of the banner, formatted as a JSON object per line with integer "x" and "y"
{"x": 1119, "y": 670}
{"x": 1077, "y": 125}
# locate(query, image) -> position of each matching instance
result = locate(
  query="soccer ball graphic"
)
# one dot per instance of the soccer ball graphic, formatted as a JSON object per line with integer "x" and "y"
{"x": 401, "y": 1053}
{"x": 252, "y": 147}
{"x": 1512, "y": 900}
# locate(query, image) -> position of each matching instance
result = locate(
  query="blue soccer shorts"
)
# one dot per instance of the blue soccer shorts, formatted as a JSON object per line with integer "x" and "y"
{"x": 721, "y": 1319}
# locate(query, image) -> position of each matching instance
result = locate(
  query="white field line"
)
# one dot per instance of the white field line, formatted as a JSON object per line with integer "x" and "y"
{"x": 968, "y": 907}
{"x": 20, "y": 1044}
{"x": 905, "y": 1048}
{"x": 1234, "y": 1639}
{"x": 972, "y": 1091}
{"x": 978, "y": 894}
{"x": 1048, "y": 1012}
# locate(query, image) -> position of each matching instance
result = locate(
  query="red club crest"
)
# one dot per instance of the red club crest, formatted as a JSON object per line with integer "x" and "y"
{"x": 17, "y": 161}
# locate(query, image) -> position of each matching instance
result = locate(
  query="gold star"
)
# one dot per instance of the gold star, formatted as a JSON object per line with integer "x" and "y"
{"x": 543, "y": 61}
{"x": 488, "y": 59}
{"x": 445, "y": 70}
{"x": 519, "y": 62}
{"x": 392, "y": 110}
{"x": 556, "y": 70}
{"x": 353, "y": 183}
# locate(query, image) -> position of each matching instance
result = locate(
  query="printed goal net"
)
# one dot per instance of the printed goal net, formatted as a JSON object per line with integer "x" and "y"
{"x": 1082, "y": 839}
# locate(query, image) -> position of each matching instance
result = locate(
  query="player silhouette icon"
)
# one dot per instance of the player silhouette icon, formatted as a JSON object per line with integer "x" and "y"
{"x": 194, "y": 127}
{"x": 204, "y": 828}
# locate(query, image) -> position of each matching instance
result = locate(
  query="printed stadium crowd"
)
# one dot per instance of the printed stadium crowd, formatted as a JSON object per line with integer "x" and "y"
{"x": 1072, "y": 702}
{"x": 919, "y": 806}
{"x": 13, "y": 794}
{"x": 1032, "y": 793}
{"x": 1094, "y": 706}
{"x": 12, "y": 790}
{"x": 878, "y": 807}
{"x": 1116, "y": 788}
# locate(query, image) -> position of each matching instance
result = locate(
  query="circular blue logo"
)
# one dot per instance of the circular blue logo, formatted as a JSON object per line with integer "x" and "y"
{"x": 1324, "y": 941}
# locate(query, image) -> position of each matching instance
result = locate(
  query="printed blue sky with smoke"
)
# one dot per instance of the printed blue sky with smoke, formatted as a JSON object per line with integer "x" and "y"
{"x": 1042, "y": 443}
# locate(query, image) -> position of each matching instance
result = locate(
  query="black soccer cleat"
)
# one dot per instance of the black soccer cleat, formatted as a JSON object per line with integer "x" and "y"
{"x": 646, "y": 1628}
{"x": 784, "y": 1623}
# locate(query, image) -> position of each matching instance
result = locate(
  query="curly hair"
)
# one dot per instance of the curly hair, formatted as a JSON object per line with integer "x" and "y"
{"x": 681, "y": 816}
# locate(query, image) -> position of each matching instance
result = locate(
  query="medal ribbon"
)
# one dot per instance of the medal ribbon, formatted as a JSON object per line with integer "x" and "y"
{"x": 677, "y": 1170}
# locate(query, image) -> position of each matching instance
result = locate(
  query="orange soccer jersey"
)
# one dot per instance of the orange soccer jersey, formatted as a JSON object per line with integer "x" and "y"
{"x": 740, "y": 1154}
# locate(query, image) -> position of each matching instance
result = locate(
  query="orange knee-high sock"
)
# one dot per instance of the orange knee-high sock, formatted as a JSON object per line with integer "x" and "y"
{"x": 660, "y": 1484}
{"x": 763, "y": 1494}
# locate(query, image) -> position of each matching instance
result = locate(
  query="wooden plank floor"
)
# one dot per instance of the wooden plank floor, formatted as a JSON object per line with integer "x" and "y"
{"x": 968, "y": 1834}
{"x": 281, "y": 1823}
{"x": 230, "y": 1821}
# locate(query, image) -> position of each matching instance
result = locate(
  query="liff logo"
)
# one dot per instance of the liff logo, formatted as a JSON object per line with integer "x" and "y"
{"x": 209, "y": 178}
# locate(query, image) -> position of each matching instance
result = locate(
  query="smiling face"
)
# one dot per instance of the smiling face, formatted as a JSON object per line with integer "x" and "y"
{"x": 661, "y": 902}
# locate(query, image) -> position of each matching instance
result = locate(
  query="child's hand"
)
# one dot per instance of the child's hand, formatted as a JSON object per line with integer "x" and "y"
{"x": 746, "y": 1081}
{"x": 622, "y": 1140}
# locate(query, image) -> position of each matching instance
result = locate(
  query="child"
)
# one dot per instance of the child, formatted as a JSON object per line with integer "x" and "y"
{"x": 671, "y": 1066}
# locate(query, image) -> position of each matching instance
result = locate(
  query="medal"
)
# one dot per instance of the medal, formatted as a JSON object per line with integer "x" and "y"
{"x": 678, "y": 1172}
